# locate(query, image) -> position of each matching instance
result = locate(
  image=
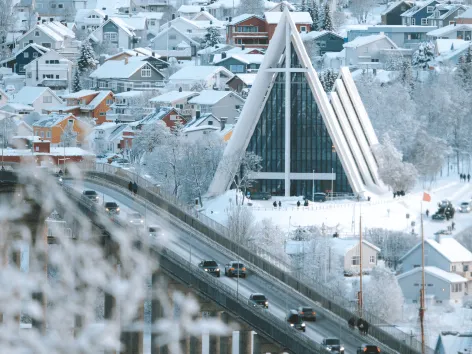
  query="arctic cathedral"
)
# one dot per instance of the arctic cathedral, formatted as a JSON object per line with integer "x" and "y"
{"x": 307, "y": 140}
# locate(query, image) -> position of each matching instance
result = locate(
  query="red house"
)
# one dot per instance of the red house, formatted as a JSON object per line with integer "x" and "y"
{"x": 168, "y": 115}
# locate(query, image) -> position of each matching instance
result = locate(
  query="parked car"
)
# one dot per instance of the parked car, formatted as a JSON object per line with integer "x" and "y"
{"x": 136, "y": 219}
{"x": 258, "y": 300}
{"x": 368, "y": 349}
{"x": 235, "y": 269}
{"x": 211, "y": 267}
{"x": 333, "y": 345}
{"x": 439, "y": 216}
{"x": 464, "y": 207}
{"x": 112, "y": 208}
{"x": 317, "y": 197}
{"x": 261, "y": 196}
{"x": 154, "y": 230}
{"x": 90, "y": 194}
{"x": 294, "y": 320}
{"x": 307, "y": 313}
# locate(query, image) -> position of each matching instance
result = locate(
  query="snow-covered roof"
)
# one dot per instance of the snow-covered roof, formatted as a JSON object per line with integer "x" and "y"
{"x": 189, "y": 9}
{"x": 248, "y": 79}
{"x": 54, "y": 151}
{"x": 446, "y": 45}
{"x": 316, "y": 34}
{"x": 193, "y": 73}
{"x": 173, "y": 96}
{"x": 50, "y": 32}
{"x": 418, "y": 6}
{"x": 29, "y": 94}
{"x": 297, "y": 17}
{"x": 123, "y": 25}
{"x": 129, "y": 94}
{"x": 452, "y": 54}
{"x": 51, "y": 120}
{"x": 201, "y": 127}
{"x": 206, "y": 15}
{"x": 175, "y": 29}
{"x": 137, "y": 23}
{"x": 209, "y": 97}
{"x": 342, "y": 245}
{"x": 453, "y": 343}
{"x": 59, "y": 28}
{"x": 446, "y": 10}
{"x": 452, "y": 250}
{"x": 436, "y": 272}
{"x": 286, "y": 4}
{"x": 154, "y": 116}
{"x": 393, "y": 5}
{"x": 17, "y": 107}
{"x": 151, "y": 15}
{"x": 215, "y": 49}
{"x": 466, "y": 14}
{"x": 197, "y": 122}
{"x": 79, "y": 94}
{"x": 118, "y": 69}
{"x": 229, "y": 4}
{"x": 364, "y": 40}
{"x": 235, "y": 20}
{"x": 96, "y": 100}
{"x": 81, "y": 14}
{"x": 243, "y": 58}
{"x": 444, "y": 31}
{"x": 236, "y": 50}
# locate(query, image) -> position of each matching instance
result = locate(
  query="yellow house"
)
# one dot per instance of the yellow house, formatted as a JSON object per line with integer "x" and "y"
{"x": 58, "y": 127}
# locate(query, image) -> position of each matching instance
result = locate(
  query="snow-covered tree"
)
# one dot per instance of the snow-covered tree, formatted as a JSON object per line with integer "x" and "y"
{"x": 76, "y": 83}
{"x": 464, "y": 70}
{"x": 360, "y": 9}
{"x": 327, "y": 78}
{"x": 399, "y": 175}
{"x": 86, "y": 61}
{"x": 8, "y": 129}
{"x": 255, "y": 7}
{"x": 212, "y": 37}
{"x": 147, "y": 139}
{"x": 423, "y": 55}
{"x": 7, "y": 17}
{"x": 271, "y": 237}
{"x": 303, "y": 7}
{"x": 241, "y": 224}
{"x": 327, "y": 20}
{"x": 69, "y": 135}
{"x": 382, "y": 294}
{"x": 315, "y": 16}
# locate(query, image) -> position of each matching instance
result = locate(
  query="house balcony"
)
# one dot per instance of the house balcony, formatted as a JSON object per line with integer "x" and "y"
{"x": 121, "y": 117}
{"x": 185, "y": 112}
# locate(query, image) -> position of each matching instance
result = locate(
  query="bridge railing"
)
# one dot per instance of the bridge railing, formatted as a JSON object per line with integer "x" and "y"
{"x": 335, "y": 303}
{"x": 262, "y": 321}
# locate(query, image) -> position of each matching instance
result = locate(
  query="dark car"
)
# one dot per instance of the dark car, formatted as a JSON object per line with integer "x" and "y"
{"x": 261, "y": 196}
{"x": 295, "y": 320}
{"x": 319, "y": 197}
{"x": 333, "y": 345}
{"x": 92, "y": 195}
{"x": 439, "y": 216}
{"x": 112, "y": 208}
{"x": 235, "y": 269}
{"x": 155, "y": 231}
{"x": 211, "y": 267}
{"x": 307, "y": 313}
{"x": 368, "y": 349}
{"x": 258, "y": 300}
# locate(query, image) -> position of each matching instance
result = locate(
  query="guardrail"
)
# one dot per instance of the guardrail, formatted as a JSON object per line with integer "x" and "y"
{"x": 333, "y": 302}
{"x": 262, "y": 321}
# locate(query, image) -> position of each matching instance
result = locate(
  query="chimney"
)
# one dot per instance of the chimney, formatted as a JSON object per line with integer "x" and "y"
{"x": 173, "y": 16}
{"x": 153, "y": 54}
{"x": 126, "y": 61}
{"x": 223, "y": 55}
{"x": 242, "y": 47}
{"x": 223, "y": 122}
{"x": 202, "y": 9}
{"x": 211, "y": 22}
{"x": 197, "y": 114}
{"x": 180, "y": 89}
{"x": 106, "y": 17}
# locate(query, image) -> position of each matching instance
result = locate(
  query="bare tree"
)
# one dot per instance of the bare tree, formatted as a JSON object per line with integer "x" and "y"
{"x": 361, "y": 9}
{"x": 241, "y": 224}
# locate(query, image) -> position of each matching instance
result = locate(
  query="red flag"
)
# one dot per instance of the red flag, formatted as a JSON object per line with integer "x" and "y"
{"x": 426, "y": 197}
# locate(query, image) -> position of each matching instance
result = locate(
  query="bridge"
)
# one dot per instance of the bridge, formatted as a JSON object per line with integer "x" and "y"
{"x": 203, "y": 240}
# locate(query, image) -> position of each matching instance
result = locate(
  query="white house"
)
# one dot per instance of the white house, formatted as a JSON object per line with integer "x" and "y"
{"x": 348, "y": 251}
{"x": 17, "y": 109}
{"x": 188, "y": 11}
{"x": 3, "y": 98}
{"x": 51, "y": 70}
{"x": 463, "y": 31}
{"x": 89, "y": 19}
{"x": 168, "y": 41}
{"x": 440, "y": 286}
{"x": 178, "y": 100}
{"x": 367, "y": 49}
{"x": 195, "y": 29}
{"x": 222, "y": 104}
{"x": 153, "y": 20}
{"x": 40, "y": 98}
{"x": 115, "y": 32}
{"x": 453, "y": 343}
{"x": 206, "y": 77}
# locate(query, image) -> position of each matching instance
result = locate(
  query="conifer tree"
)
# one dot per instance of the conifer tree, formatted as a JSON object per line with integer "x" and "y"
{"x": 327, "y": 20}
{"x": 315, "y": 16}
{"x": 423, "y": 55}
{"x": 86, "y": 59}
{"x": 255, "y": 7}
{"x": 76, "y": 84}
{"x": 212, "y": 37}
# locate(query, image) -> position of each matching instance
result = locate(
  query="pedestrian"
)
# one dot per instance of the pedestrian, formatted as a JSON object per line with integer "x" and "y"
{"x": 130, "y": 186}
{"x": 135, "y": 188}
{"x": 394, "y": 195}
{"x": 427, "y": 213}
{"x": 352, "y": 322}
{"x": 366, "y": 327}
{"x": 468, "y": 177}
{"x": 274, "y": 204}
{"x": 461, "y": 177}
{"x": 305, "y": 203}
{"x": 298, "y": 204}
{"x": 280, "y": 204}
{"x": 453, "y": 225}
{"x": 368, "y": 198}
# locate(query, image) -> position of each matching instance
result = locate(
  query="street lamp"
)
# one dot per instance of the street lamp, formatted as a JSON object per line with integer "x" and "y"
{"x": 313, "y": 188}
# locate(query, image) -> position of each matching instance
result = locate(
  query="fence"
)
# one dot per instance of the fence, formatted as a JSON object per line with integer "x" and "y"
{"x": 263, "y": 322}
{"x": 341, "y": 306}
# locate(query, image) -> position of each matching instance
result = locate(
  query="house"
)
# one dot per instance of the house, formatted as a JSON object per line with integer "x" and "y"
{"x": 279, "y": 7}
{"x": 348, "y": 252}
{"x": 221, "y": 104}
{"x": 202, "y": 125}
{"x": 403, "y": 36}
{"x": 445, "y": 14}
{"x": 217, "y": 55}
{"x": 167, "y": 43}
{"x": 178, "y": 100}
{"x": 444, "y": 47}
{"x": 392, "y": 15}
{"x": 248, "y": 30}
{"x": 207, "y": 54}
{"x": 135, "y": 22}
{"x": 367, "y": 50}
{"x": 241, "y": 83}
{"x": 4, "y": 97}
{"x": 188, "y": 78}
{"x": 240, "y": 63}
{"x": 87, "y": 104}
{"x": 153, "y": 20}
{"x": 195, "y": 29}
{"x": 106, "y": 138}
{"x": 418, "y": 14}
{"x": 89, "y": 19}
{"x": 465, "y": 17}
{"x": 451, "y": 55}
{"x": 205, "y": 16}
{"x": 223, "y": 9}
{"x": 129, "y": 106}
{"x": 440, "y": 285}
{"x": 189, "y": 11}
{"x": 17, "y": 108}
{"x": 59, "y": 127}
{"x": 462, "y": 31}
{"x": 444, "y": 253}
{"x": 49, "y": 70}
{"x": 302, "y": 20}
{"x": 324, "y": 41}
{"x": 126, "y": 75}
{"x": 40, "y": 98}
{"x": 139, "y": 54}
{"x": 453, "y": 343}
{"x": 169, "y": 115}
{"x": 23, "y": 57}
{"x": 116, "y": 33}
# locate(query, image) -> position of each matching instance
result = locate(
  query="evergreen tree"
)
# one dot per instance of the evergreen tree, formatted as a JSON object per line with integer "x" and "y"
{"x": 423, "y": 55}
{"x": 327, "y": 21}
{"x": 86, "y": 59}
{"x": 255, "y": 7}
{"x": 76, "y": 84}
{"x": 406, "y": 76}
{"x": 315, "y": 17}
{"x": 327, "y": 78}
{"x": 212, "y": 37}
{"x": 303, "y": 7}
{"x": 464, "y": 70}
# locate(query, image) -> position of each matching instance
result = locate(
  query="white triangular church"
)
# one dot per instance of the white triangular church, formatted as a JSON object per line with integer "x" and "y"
{"x": 308, "y": 142}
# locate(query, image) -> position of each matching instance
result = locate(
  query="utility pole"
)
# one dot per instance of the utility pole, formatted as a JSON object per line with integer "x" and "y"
{"x": 422, "y": 291}
{"x": 359, "y": 295}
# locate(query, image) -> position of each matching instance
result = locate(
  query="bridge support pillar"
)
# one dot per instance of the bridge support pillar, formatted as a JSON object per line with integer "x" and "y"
{"x": 156, "y": 313}
{"x": 132, "y": 340}
{"x": 262, "y": 345}
{"x": 196, "y": 345}
{"x": 225, "y": 343}
{"x": 245, "y": 341}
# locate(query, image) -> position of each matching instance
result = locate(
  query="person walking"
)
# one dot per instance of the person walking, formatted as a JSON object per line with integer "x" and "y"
{"x": 135, "y": 188}
{"x": 427, "y": 213}
{"x": 453, "y": 225}
{"x": 298, "y": 204}
{"x": 130, "y": 186}
{"x": 468, "y": 177}
{"x": 274, "y": 204}
{"x": 280, "y": 204}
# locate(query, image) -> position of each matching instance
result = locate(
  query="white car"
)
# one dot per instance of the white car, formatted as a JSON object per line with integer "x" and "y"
{"x": 136, "y": 219}
{"x": 465, "y": 207}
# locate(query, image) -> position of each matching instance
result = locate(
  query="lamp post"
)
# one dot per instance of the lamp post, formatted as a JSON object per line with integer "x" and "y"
{"x": 332, "y": 183}
{"x": 313, "y": 188}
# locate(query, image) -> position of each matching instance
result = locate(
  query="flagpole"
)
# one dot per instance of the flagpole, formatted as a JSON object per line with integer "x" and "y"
{"x": 422, "y": 291}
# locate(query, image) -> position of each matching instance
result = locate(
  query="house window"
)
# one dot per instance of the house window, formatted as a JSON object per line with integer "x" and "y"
{"x": 46, "y": 45}
{"x": 57, "y": 77}
{"x": 413, "y": 22}
{"x": 189, "y": 31}
{"x": 322, "y": 44}
{"x": 25, "y": 55}
{"x": 35, "y": 55}
{"x": 110, "y": 36}
{"x": 146, "y": 71}
{"x": 102, "y": 84}
{"x": 36, "y": 33}
{"x": 430, "y": 284}
{"x": 48, "y": 134}
{"x": 41, "y": 134}
{"x": 466, "y": 268}
{"x": 456, "y": 288}
{"x": 424, "y": 21}
{"x": 48, "y": 76}
{"x": 453, "y": 268}
{"x": 302, "y": 28}
{"x": 102, "y": 113}
{"x": 109, "y": 102}
{"x": 83, "y": 27}
{"x": 47, "y": 99}
{"x": 114, "y": 86}
{"x": 172, "y": 36}
{"x": 152, "y": 23}
{"x": 366, "y": 49}
{"x": 60, "y": 6}
{"x": 374, "y": 60}
{"x": 235, "y": 107}
{"x": 247, "y": 29}
{"x": 355, "y": 260}
{"x": 210, "y": 122}
{"x": 372, "y": 259}
{"x": 236, "y": 68}
{"x": 430, "y": 9}
{"x": 416, "y": 284}
{"x": 403, "y": 8}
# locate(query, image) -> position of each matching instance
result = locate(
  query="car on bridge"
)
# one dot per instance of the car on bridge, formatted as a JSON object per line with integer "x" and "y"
{"x": 368, "y": 349}
{"x": 136, "y": 220}
{"x": 235, "y": 269}
{"x": 258, "y": 300}
{"x": 333, "y": 345}
{"x": 211, "y": 267}
{"x": 90, "y": 194}
{"x": 307, "y": 313}
{"x": 154, "y": 230}
{"x": 112, "y": 208}
{"x": 59, "y": 179}
{"x": 465, "y": 207}
{"x": 294, "y": 320}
